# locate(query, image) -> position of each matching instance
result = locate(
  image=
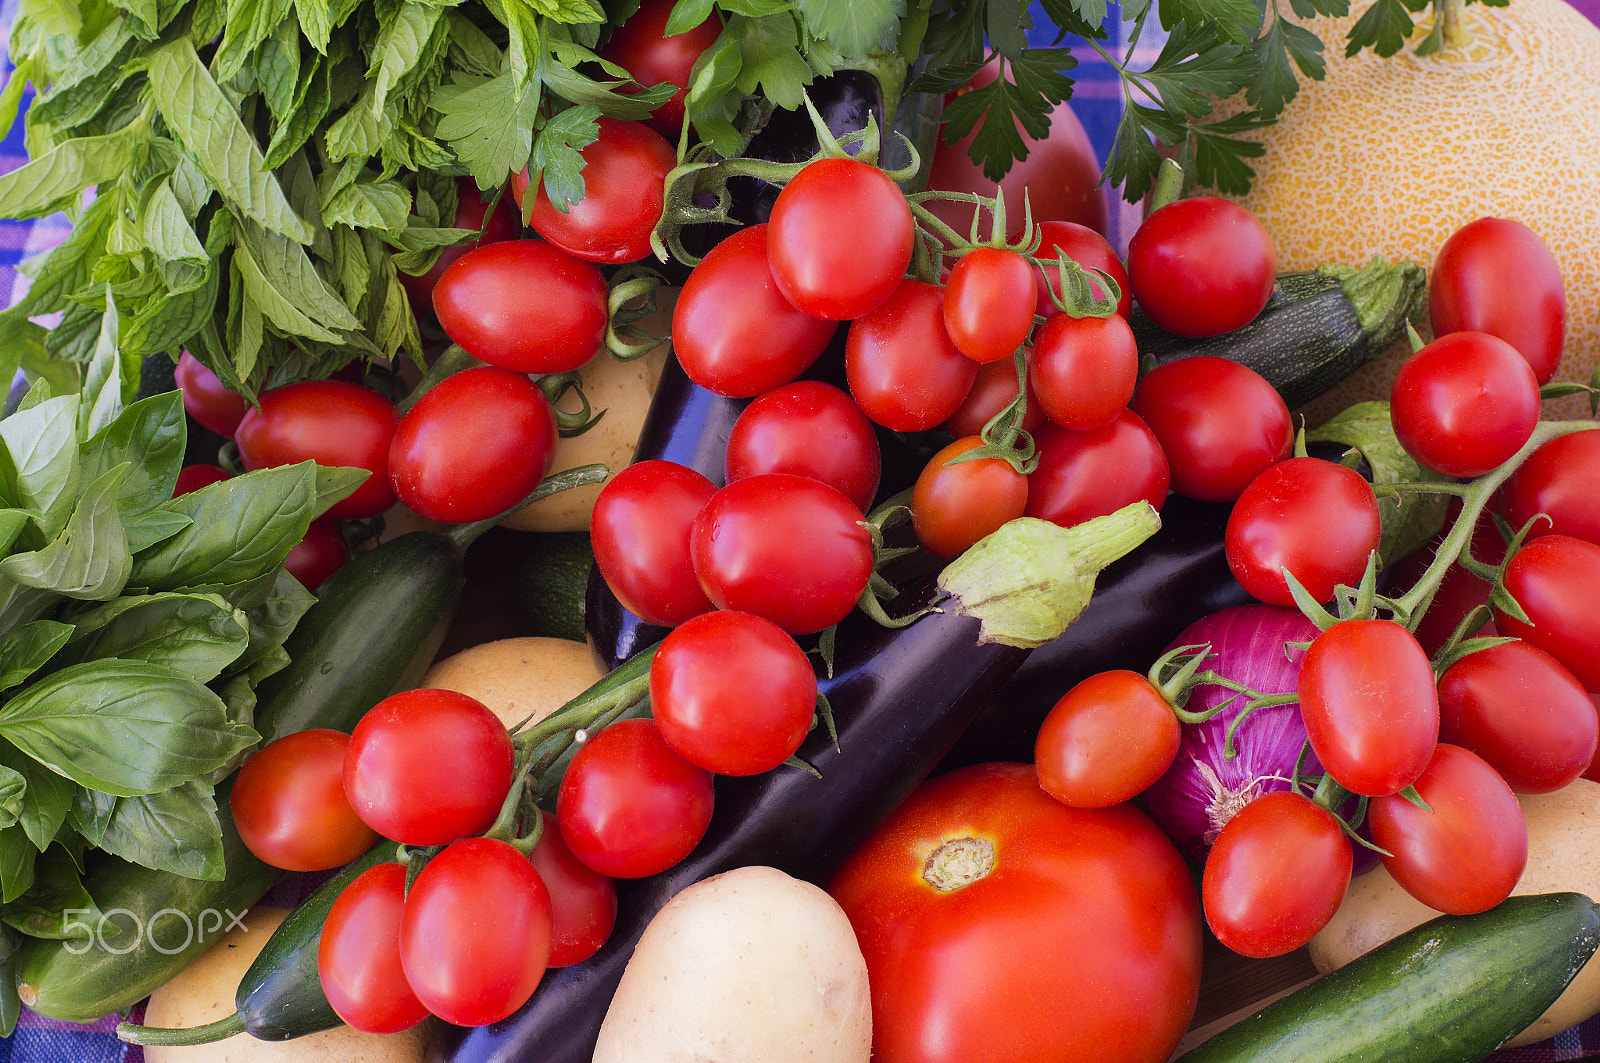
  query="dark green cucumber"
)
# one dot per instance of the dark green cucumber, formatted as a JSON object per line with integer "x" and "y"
{"x": 375, "y": 628}
{"x": 1449, "y": 991}
{"x": 280, "y": 995}
{"x": 1318, "y": 327}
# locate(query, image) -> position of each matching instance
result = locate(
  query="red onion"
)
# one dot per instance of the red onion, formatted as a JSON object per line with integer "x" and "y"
{"x": 1204, "y": 787}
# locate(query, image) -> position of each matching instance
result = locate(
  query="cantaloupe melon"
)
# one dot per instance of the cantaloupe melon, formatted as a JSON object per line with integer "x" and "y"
{"x": 1390, "y": 155}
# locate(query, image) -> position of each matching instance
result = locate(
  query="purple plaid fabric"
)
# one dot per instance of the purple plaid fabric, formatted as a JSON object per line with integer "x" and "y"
{"x": 1097, "y": 102}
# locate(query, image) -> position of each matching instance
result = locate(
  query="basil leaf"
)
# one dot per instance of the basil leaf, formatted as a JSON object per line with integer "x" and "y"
{"x": 90, "y": 558}
{"x": 102, "y": 381}
{"x": 24, "y": 650}
{"x": 57, "y": 889}
{"x": 272, "y": 621}
{"x": 175, "y": 830}
{"x": 47, "y": 800}
{"x": 17, "y": 857}
{"x": 12, "y": 787}
{"x": 125, "y": 727}
{"x": 151, "y": 435}
{"x": 42, "y": 473}
{"x": 92, "y": 811}
{"x": 199, "y": 635}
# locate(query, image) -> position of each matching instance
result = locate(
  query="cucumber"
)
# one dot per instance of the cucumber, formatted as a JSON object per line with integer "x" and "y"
{"x": 1318, "y": 327}
{"x": 552, "y": 583}
{"x": 280, "y": 995}
{"x": 1449, "y": 991}
{"x": 373, "y": 631}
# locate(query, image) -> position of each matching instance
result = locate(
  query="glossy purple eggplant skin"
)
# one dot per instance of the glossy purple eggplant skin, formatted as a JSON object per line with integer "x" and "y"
{"x": 900, "y": 698}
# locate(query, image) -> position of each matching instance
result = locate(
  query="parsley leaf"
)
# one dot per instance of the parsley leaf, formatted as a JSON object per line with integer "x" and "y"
{"x": 556, "y": 154}
{"x": 487, "y": 125}
{"x": 855, "y": 27}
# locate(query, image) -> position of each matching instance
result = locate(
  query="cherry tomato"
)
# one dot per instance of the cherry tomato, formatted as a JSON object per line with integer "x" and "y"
{"x": 475, "y": 934}
{"x": 1084, "y": 369}
{"x": 205, "y": 398}
{"x": 1085, "y": 246}
{"x": 812, "y": 429}
{"x": 1464, "y": 404}
{"x": 1202, "y": 266}
{"x": 1082, "y": 475}
{"x": 1001, "y": 925}
{"x": 330, "y": 422}
{"x": 785, "y": 547}
{"x": 624, "y": 178}
{"x": 993, "y": 389}
{"x": 1220, "y": 424}
{"x": 474, "y": 446}
{"x": 289, "y": 804}
{"x": 1315, "y": 518}
{"x": 988, "y": 303}
{"x": 630, "y": 806}
{"x": 1560, "y": 479}
{"x": 193, "y": 477}
{"x": 426, "y": 766}
{"x": 1106, "y": 740}
{"x": 639, "y": 530}
{"x": 1553, "y": 578}
{"x": 956, "y": 503}
{"x": 839, "y": 238}
{"x": 583, "y": 902}
{"x": 1466, "y": 851}
{"x": 1497, "y": 276}
{"x": 503, "y": 224}
{"x": 358, "y": 954}
{"x": 641, "y": 47}
{"x": 1523, "y": 712}
{"x": 732, "y": 692}
{"x": 903, "y": 370}
{"x": 733, "y": 331}
{"x": 1276, "y": 874}
{"x": 523, "y": 305}
{"x": 318, "y": 555}
{"x": 1369, "y": 705}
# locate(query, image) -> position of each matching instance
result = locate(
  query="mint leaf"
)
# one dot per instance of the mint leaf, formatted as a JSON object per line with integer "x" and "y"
{"x": 53, "y": 181}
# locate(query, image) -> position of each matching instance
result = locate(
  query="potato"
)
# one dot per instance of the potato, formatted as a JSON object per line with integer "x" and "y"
{"x": 1563, "y": 836}
{"x": 746, "y": 966}
{"x": 204, "y": 992}
{"x": 518, "y": 677}
{"x": 623, "y": 390}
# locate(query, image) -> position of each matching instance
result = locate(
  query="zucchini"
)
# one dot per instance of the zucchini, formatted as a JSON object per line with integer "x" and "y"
{"x": 1449, "y": 991}
{"x": 1318, "y": 327}
{"x": 373, "y": 631}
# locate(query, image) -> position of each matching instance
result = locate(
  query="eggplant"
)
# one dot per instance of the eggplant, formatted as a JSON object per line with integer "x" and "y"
{"x": 900, "y": 697}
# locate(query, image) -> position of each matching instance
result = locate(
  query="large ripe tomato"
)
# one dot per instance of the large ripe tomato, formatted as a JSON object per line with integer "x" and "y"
{"x": 1315, "y": 518}
{"x": 641, "y": 47}
{"x": 1084, "y": 369}
{"x": 624, "y": 179}
{"x": 812, "y": 429}
{"x": 503, "y": 224}
{"x": 1278, "y": 871}
{"x": 583, "y": 902}
{"x": 988, "y": 303}
{"x": 1464, "y": 404}
{"x": 1106, "y": 740}
{"x": 1202, "y": 266}
{"x": 839, "y": 238}
{"x": 426, "y": 766}
{"x": 523, "y": 305}
{"x": 1081, "y": 475}
{"x": 956, "y": 503}
{"x": 330, "y": 422}
{"x": 1465, "y": 852}
{"x": 785, "y": 547}
{"x": 475, "y": 934}
{"x": 629, "y": 805}
{"x": 1521, "y": 710}
{"x": 1085, "y": 246}
{"x": 289, "y": 804}
{"x": 902, "y": 368}
{"x": 1497, "y": 276}
{"x": 733, "y": 331}
{"x": 358, "y": 954}
{"x": 1220, "y": 424}
{"x": 474, "y": 446}
{"x": 1000, "y": 925}
{"x": 1553, "y": 578}
{"x": 205, "y": 398}
{"x": 1560, "y": 479}
{"x": 732, "y": 692}
{"x": 1369, "y": 704}
{"x": 639, "y": 529}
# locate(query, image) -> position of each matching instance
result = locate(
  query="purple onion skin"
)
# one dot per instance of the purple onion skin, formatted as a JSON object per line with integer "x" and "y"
{"x": 1204, "y": 786}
